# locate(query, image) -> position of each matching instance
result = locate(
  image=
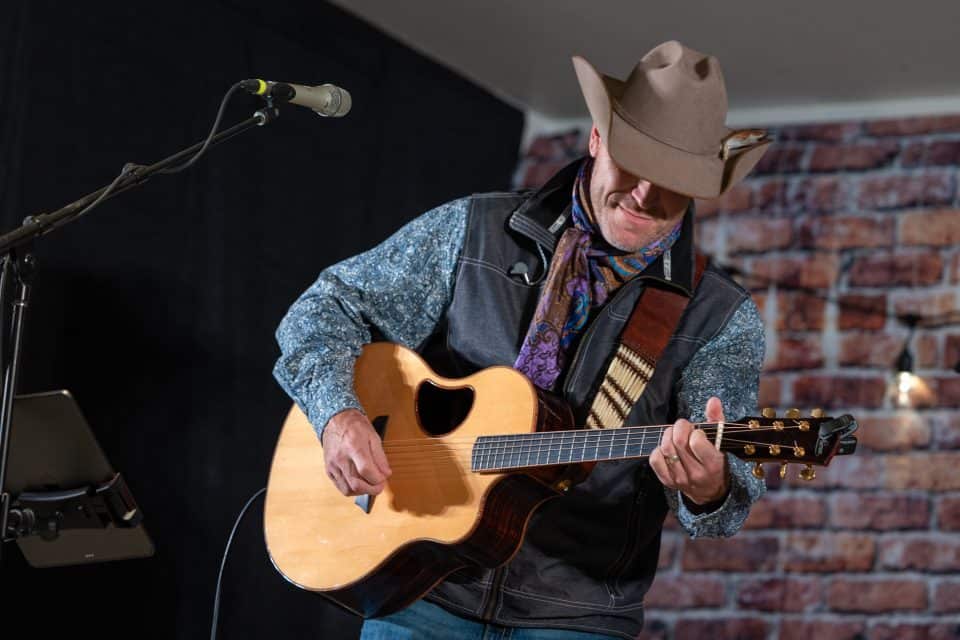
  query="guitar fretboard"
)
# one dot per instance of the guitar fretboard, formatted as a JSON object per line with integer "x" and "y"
{"x": 508, "y": 453}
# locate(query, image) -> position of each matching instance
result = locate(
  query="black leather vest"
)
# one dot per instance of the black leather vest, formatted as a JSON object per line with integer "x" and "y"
{"x": 588, "y": 557}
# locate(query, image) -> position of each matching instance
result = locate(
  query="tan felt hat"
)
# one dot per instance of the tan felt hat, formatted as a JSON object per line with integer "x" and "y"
{"x": 666, "y": 122}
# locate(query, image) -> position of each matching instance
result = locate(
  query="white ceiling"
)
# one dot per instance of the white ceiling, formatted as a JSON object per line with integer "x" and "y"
{"x": 797, "y": 60}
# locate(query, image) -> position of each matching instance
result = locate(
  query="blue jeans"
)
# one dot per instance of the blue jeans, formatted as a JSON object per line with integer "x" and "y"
{"x": 426, "y": 621}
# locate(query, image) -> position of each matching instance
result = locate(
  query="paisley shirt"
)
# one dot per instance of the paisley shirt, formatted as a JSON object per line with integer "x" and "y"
{"x": 403, "y": 287}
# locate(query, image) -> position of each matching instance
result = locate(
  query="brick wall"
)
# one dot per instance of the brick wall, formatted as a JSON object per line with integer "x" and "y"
{"x": 865, "y": 213}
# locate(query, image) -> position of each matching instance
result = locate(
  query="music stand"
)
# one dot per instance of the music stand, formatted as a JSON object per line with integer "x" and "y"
{"x": 68, "y": 504}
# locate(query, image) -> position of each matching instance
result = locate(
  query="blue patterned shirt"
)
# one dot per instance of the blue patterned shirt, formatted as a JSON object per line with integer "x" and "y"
{"x": 403, "y": 287}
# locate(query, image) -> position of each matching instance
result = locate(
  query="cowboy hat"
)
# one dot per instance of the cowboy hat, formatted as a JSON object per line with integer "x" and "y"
{"x": 666, "y": 122}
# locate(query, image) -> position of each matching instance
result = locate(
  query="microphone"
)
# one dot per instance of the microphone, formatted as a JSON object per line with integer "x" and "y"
{"x": 326, "y": 100}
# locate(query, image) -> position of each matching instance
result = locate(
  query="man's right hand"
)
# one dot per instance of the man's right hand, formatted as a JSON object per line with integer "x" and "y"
{"x": 353, "y": 454}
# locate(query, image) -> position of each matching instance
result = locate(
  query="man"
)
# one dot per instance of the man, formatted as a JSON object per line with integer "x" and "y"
{"x": 470, "y": 285}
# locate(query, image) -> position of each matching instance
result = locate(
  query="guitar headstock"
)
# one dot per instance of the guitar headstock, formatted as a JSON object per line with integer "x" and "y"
{"x": 810, "y": 441}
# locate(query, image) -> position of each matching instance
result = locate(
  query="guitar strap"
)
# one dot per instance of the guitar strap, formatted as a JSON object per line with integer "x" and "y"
{"x": 650, "y": 327}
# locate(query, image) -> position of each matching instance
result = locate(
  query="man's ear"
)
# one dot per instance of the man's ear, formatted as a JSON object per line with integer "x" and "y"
{"x": 594, "y": 144}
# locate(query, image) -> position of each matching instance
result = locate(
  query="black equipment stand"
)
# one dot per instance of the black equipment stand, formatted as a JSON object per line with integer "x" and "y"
{"x": 20, "y": 265}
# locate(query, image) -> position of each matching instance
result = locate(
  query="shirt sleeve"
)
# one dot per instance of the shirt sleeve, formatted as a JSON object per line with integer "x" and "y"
{"x": 401, "y": 287}
{"x": 727, "y": 367}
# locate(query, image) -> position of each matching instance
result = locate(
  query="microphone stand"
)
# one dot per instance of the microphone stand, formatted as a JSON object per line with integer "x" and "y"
{"x": 20, "y": 265}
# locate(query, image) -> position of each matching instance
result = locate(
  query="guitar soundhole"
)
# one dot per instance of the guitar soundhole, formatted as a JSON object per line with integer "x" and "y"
{"x": 442, "y": 410}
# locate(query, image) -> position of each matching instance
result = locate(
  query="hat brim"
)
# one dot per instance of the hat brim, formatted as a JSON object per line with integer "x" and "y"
{"x": 692, "y": 174}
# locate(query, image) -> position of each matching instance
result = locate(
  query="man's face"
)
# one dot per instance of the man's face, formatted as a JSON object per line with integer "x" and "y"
{"x": 631, "y": 212}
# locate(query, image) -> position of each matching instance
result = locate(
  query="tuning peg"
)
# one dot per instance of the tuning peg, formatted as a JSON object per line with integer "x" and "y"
{"x": 774, "y": 450}
{"x": 808, "y": 473}
{"x": 769, "y": 413}
{"x": 783, "y": 470}
{"x": 749, "y": 449}
{"x": 758, "y": 471}
{"x": 817, "y": 413}
{"x": 793, "y": 414}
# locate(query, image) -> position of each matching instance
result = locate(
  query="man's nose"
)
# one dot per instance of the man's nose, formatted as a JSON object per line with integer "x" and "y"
{"x": 645, "y": 192}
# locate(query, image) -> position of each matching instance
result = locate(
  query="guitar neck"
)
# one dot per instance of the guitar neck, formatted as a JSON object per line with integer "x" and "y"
{"x": 515, "y": 452}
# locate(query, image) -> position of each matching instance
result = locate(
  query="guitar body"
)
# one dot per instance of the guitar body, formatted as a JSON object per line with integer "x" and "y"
{"x": 435, "y": 515}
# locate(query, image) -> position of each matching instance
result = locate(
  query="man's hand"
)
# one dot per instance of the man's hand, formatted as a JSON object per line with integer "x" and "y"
{"x": 353, "y": 454}
{"x": 686, "y": 460}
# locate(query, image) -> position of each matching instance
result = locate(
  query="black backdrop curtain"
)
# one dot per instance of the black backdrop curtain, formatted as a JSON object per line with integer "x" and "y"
{"x": 158, "y": 309}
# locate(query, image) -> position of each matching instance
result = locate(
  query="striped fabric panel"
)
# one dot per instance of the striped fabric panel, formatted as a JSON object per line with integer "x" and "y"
{"x": 626, "y": 378}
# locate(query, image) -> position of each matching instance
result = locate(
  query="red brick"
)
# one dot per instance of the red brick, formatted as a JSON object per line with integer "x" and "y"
{"x": 946, "y": 429}
{"x": 778, "y": 510}
{"x": 883, "y": 511}
{"x": 946, "y": 597}
{"x": 937, "y": 153}
{"x": 830, "y": 132}
{"x": 862, "y": 311}
{"x": 815, "y": 271}
{"x": 869, "y": 349}
{"x": 820, "y": 194}
{"x": 796, "y": 353}
{"x": 668, "y": 550}
{"x": 771, "y": 197}
{"x": 791, "y": 629}
{"x": 946, "y": 391}
{"x": 887, "y": 270}
{"x": 877, "y": 595}
{"x": 899, "y": 432}
{"x": 711, "y": 236}
{"x": 926, "y": 553}
{"x": 739, "y": 628}
{"x": 780, "y": 159}
{"x": 835, "y": 232}
{"x": 706, "y": 208}
{"x": 913, "y": 126}
{"x": 779, "y": 594}
{"x": 844, "y": 392}
{"x": 927, "y": 351}
{"x": 929, "y": 303}
{"x": 935, "y": 471}
{"x": 948, "y": 513}
{"x": 758, "y": 234}
{"x": 685, "y": 591}
{"x": 937, "y": 228}
{"x": 734, "y": 554}
{"x": 769, "y": 395}
{"x": 914, "y": 631}
{"x": 828, "y": 552}
{"x": 854, "y": 157}
{"x": 894, "y": 192}
{"x": 951, "y": 351}
{"x": 859, "y": 471}
{"x": 797, "y": 311}
{"x": 955, "y": 278}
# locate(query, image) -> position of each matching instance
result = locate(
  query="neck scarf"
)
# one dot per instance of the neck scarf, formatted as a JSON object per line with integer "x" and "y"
{"x": 584, "y": 272}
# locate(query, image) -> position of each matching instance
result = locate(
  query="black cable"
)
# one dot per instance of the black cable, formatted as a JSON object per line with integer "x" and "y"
{"x": 223, "y": 563}
{"x": 216, "y": 124}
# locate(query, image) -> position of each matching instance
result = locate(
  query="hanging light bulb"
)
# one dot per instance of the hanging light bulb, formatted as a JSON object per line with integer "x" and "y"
{"x": 906, "y": 380}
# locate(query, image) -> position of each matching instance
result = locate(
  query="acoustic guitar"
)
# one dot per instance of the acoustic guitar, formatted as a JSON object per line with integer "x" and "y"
{"x": 472, "y": 459}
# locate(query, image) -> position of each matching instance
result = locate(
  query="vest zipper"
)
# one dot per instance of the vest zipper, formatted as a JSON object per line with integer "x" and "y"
{"x": 629, "y": 547}
{"x": 491, "y": 602}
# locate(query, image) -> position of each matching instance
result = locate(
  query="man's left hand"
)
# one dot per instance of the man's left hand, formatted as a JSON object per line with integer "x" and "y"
{"x": 686, "y": 460}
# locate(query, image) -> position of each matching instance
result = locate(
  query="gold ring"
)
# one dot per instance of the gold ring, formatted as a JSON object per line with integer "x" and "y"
{"x": 673, "y": 458}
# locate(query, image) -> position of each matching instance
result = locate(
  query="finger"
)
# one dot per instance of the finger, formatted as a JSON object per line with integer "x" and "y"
{"x": 337, "y": 478}
{"x": 704, "y": 450}
{"x": 366, "y": 467}
{"x": 714, "y": 411}
{"x": 661, "y": 468}
{"x": 357, "y": 483}
{"x": 672, "y": 458}
{"x": 380, "y": 457}
{"x": 681, "y": 442}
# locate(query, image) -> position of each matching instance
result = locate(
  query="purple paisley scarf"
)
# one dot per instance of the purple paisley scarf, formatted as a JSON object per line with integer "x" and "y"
{"x": 584, "y": 272}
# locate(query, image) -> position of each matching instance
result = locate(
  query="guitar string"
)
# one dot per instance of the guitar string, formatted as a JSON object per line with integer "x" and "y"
{"x": 536, "y": 436}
